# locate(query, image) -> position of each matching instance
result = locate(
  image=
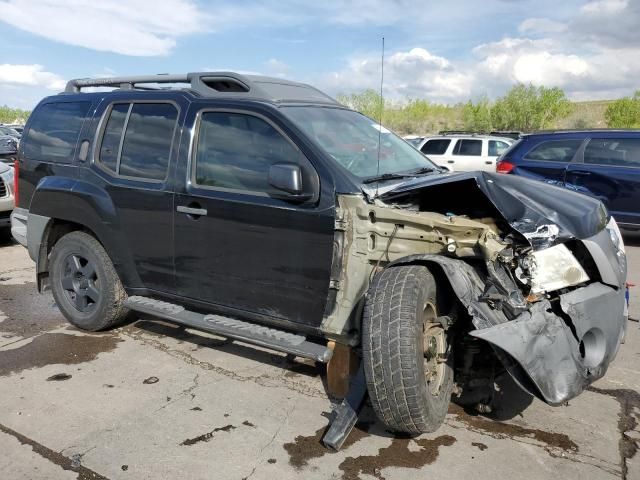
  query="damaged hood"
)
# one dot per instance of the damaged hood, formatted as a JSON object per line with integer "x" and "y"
{"x": 543, "y": 214}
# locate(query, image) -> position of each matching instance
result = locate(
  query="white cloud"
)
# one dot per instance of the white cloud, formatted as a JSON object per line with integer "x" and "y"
{"x": 411, "y": 74}
{"x": 541, "y": 26}
{"x": 131, "y": 27}
{"x": 599, "y": 7}
{"x": 30, "y": 75}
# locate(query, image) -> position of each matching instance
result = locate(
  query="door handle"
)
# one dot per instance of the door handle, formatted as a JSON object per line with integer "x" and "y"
{"x": 581, "y": 173}
{"x": 451, "y": 161}
{"x": 488, "y": 162}
{"x": 196, "y": 212}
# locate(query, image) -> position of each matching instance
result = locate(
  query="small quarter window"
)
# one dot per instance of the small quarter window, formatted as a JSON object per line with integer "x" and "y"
{"x": 497, "y": 148}
{"x": 110, "y": 146}
{"x": 54, "y": 130}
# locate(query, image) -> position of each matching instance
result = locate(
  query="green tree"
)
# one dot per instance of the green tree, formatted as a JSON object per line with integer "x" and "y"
{"x": 368, "y": 103}
{"x": 13, "y": 115}
{"x": 477, "y": 116}
{"x": 527, "y": 108}
{"x": 624, "y": 113}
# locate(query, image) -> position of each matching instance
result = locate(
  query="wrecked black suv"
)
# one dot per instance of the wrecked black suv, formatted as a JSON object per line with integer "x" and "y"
{"x": 262, "y": 210}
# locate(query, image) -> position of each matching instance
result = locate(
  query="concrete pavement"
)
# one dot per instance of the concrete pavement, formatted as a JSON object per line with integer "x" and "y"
{"x": 152, "y": 401}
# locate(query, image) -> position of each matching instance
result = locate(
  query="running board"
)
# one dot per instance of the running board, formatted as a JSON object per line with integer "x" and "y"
{"x": 232, "y": 328}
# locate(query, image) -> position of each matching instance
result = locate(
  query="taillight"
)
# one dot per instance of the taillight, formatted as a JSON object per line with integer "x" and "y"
{"x": 504, "y": 166}
{"x": 16, "y": 174}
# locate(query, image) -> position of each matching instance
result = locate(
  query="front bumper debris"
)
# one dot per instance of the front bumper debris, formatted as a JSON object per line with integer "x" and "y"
{"x": 565, "y": 348}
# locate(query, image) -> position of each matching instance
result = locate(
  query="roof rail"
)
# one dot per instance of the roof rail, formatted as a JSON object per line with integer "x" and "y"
{"x": 212, "y": 84}
{"x": 587, "y": 130}
{"x": 459, "y": 132}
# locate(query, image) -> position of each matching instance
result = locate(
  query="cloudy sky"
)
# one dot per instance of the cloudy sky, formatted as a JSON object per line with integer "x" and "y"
{"x": 442, "y": 51}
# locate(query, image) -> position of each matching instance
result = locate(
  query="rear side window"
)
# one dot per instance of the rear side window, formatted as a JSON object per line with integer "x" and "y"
{"x": 235, "y": 151}
{"x": 497, "y": 148}
{"x": 618, "y": 152}
{"x": 54, "y": 130}
{"x": 554, "y": 150}
{"x": 468, "y": 147}
{"x": 137, "y": 139}
{"x": 435, "y": 147}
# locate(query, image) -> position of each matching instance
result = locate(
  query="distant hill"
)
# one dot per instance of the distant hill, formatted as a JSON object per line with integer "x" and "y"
{"x": 588, "y": 114}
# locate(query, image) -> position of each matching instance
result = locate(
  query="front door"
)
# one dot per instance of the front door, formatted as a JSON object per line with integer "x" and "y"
{"x": 239, "y": 244}
{"x": 548, "y": 160}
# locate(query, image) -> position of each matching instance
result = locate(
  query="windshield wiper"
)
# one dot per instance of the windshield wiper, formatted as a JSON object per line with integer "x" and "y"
{"x": 387, "y": 176}
{"x": 392, "y": 176}
{"x": 422, "y": 170}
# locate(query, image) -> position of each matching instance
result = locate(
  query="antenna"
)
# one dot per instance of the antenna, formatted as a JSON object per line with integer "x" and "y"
{"x": 380, "y": 115}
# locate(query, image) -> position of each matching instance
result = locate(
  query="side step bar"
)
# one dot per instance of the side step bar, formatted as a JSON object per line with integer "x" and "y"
{"x": 232, "y": 328}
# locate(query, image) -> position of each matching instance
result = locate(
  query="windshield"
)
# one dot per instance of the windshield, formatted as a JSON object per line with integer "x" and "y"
{"x": 352, "y": 140}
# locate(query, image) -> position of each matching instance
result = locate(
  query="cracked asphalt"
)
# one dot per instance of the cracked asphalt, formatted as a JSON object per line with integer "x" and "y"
{"x": 154, "y": 401}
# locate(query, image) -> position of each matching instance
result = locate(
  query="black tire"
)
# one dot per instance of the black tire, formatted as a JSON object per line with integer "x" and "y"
{"x": 80, "y": 268}
{"x": 396, "y": 365}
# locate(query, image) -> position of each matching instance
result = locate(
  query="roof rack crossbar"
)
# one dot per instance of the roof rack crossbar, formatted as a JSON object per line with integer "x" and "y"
{"x": 76, "y": 85}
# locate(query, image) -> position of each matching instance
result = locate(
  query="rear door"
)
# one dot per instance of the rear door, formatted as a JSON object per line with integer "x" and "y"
{"x": 436, "y": 149}
{"x": 609, "y": 169}
{"x": 135, "y": 148}
{"x": 467, "y": 155}
{"x": 547, "y": 160}
{"x": 247, "y": 250}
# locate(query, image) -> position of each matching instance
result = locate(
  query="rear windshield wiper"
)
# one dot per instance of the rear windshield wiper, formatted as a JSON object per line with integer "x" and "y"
{"x": 391, "y": 176}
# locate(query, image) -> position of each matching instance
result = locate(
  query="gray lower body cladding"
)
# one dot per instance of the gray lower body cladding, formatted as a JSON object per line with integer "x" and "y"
{"x": 563, "y": 353}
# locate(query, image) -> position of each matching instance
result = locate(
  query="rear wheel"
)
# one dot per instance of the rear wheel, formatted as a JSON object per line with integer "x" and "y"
{"x": 406, "y": 352}
{"x": 85, "y": 284}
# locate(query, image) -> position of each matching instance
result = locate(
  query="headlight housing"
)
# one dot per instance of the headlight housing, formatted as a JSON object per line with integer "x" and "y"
{"x": 554, "y": 268}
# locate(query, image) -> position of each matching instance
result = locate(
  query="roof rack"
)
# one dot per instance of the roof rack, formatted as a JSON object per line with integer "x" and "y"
{"x": 212, "y": 84}
{"x": 459, "y": 132}
{"x": 587, "y": 130}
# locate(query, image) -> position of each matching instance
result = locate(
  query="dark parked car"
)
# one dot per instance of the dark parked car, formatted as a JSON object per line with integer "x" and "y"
{"x": 262, "y": 210}
{"x": 10, "y": 131}
{"x": 8, "y": 148}
{"x": 604, "y": 164}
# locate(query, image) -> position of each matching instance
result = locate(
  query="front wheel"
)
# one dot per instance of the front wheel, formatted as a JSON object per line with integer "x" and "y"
{"x": 85, "y": 284}
{"x": 406, "y": 353}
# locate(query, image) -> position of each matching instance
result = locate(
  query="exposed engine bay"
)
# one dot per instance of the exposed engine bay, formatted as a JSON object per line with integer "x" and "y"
{"x": 537, "y": 271}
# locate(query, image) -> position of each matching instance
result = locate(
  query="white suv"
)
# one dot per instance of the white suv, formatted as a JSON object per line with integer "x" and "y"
{"x": 6, "y": 197}
{"x": 465, "y": 152}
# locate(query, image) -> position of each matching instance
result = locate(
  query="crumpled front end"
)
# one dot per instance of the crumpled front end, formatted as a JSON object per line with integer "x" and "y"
{"x": 552, "y": 302}
{"x": 562, "y": 352}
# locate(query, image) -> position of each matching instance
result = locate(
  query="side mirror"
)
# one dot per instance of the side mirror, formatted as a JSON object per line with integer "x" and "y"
{"x": 287, "y": 177}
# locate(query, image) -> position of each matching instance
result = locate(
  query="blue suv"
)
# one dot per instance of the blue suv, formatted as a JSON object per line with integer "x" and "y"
{"x": 604, "y": 164}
